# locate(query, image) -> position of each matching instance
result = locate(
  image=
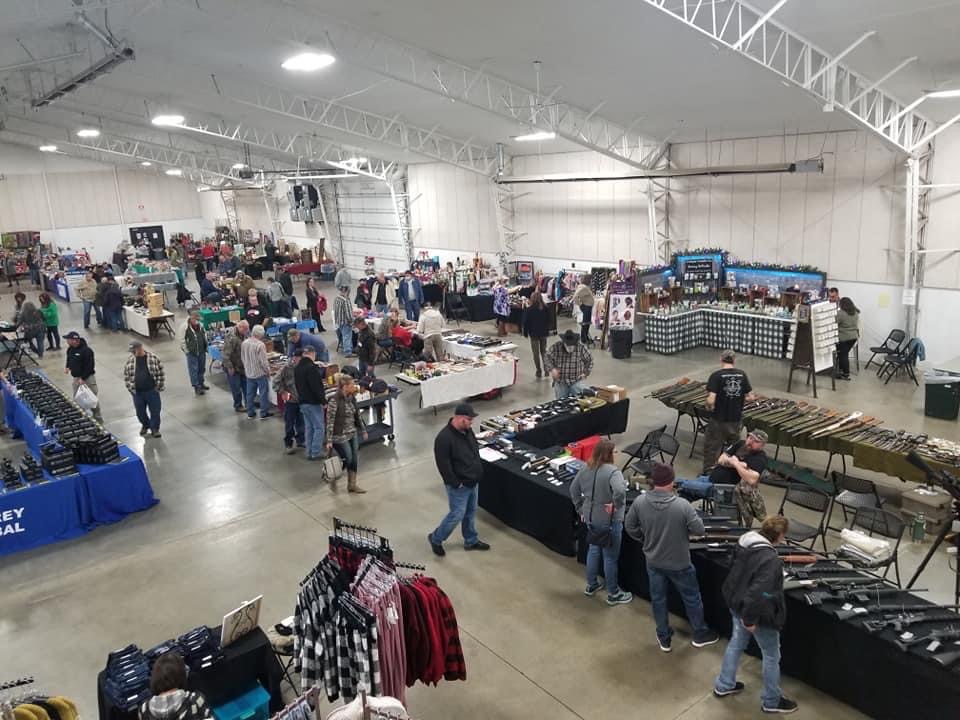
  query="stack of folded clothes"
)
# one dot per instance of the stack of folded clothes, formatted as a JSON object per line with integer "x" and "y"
{"x": 201, "y": 648}
{"x": 127, "y": 678}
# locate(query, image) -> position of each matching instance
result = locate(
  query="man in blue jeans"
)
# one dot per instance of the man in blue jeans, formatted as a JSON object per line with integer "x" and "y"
{"x": 664, "y": 523}
{"x": 312, "y": 394}
{"x": 458, "y": 460}
{"x": 144, "y": 377}
{"x": 754, "y": 593}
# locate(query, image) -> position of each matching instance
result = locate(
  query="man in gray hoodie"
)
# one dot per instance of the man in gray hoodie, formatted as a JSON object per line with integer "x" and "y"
{"x": 664, "y": 523}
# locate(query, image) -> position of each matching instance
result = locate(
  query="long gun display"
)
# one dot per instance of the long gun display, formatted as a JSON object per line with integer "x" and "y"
{"x": 817, "y": 572}
{"x": 951, "y": 632}
{"x": 898, "y": 622}
{"x": 874, "y": 609}
{"x": 947, "y": 658}
{"x": 860, "y": 593}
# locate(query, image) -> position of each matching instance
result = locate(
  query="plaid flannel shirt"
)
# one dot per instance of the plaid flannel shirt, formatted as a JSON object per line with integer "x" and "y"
{"x": 572, "y": 365}
{"x": 154, "y": 367}
{"x": 342, "y": 311}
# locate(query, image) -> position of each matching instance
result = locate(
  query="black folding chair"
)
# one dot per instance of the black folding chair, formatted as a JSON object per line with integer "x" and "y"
{"x": 456, "y": 309}
{"x": 890, "y": 346}
{"x": 666, "y": 449}
{"x": 811, "y": 499}
{"x": 879, "y": 522}
{"x": 642, "y": 449}
{"x": 852, "y": 493}
{"x": 700, "y": 423}
{"x": 18, "y": 349}
{"x": 903, "y": 362}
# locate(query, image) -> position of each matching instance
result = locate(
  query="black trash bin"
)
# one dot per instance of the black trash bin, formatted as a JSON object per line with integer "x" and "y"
{"x": 942, "y": 394}
{"x": 621, "y": 343}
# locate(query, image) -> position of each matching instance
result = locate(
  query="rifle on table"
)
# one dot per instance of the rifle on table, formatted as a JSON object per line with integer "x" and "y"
{"x": 859, "y": 592}
{"x": 829, "y": 582}
{"x": 874, "y": 609}
{"x": 909, "y": 615}
{"x": 947, "y": 658}
{"x": 951, "y": 632}
{"x": 813, "y": 572}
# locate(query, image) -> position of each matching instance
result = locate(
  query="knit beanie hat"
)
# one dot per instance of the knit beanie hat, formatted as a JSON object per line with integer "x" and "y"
{"x": 662, "y": 475}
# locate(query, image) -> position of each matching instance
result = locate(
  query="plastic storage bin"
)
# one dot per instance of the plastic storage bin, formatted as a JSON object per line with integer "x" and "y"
{"x": 942, "y": 394}
{"x": 252, "y": 705}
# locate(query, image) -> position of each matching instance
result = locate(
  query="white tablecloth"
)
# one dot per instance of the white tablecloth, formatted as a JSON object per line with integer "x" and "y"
{"x": 454, "y": 387}
{"x": 138, "y": 322}
{"x": 471, "y": 352}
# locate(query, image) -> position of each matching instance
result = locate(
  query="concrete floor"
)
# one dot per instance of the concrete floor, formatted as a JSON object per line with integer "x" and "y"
{"x": 238, "y": 518}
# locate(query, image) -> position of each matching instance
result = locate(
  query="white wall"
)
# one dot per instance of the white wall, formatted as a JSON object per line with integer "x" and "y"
{"x": 452, "y": 209}
{"x": 77, "y": 204}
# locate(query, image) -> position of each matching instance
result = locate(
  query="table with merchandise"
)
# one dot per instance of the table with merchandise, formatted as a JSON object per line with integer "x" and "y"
{"x": 227, "y": 314}
{"x": 72, "y": 477}
{"x": 446, "y": 382}
{"x": 750, "y": 332}
{"x": 139, "y": 321}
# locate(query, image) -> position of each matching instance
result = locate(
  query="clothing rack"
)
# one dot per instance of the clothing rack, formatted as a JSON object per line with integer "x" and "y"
{"x": 410, "y": 566}
{"x": 369, "y": 713}
{"x": 309, "y": 698}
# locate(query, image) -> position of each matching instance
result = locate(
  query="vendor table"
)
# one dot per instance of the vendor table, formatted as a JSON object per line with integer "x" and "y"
{"x": 303, "y": 268}
{"x": 73, "y": 505}
{"x": 840, "y": 658}
{"x": 470, "y": 352}
{"x": 65, "y": 287}
{"x": 533, "y": 505}
{"x": 749, "y": 333}
{"x": 480, "y": 307}
{"x": 245, "y": 662}
{"x": 148, "y": 325}
{"x": 226, "y": 314}
{"x": 468, "y": 382}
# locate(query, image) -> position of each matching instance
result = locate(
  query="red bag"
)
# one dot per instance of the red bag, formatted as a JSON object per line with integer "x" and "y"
{"x": 321, "y": 304}
{"x": 583, "y": 449}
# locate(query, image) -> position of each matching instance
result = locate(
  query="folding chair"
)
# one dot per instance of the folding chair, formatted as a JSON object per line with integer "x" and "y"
{"x": 806, "y": 497}
{"x": 642, "y": 449}
{"x": 723, "y": 502}
{"x": 877, "y": 521}
{"x": 700, "y": 423}
{"x": 19, "y": 350}
{"x": 902, "y": 363}
{"x": 889, "y": 346}
{"x": 456, "y": 308}
{"x": 852, "y": 493}
{"x": 666, "y": 448}
{"x": 384, "y": 351}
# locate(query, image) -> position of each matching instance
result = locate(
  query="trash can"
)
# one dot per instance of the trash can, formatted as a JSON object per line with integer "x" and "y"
{"x": 942, "y": 394}
{"x": 621, "y": 343}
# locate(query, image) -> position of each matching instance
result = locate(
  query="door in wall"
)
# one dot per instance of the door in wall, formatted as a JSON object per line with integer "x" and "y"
{"x": 149, "y": 241}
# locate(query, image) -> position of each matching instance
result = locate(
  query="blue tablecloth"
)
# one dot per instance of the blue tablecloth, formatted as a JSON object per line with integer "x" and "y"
{"x": 70, "y": 506}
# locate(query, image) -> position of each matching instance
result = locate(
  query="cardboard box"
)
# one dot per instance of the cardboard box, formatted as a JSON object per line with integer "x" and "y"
{"x": 611, "y": 393}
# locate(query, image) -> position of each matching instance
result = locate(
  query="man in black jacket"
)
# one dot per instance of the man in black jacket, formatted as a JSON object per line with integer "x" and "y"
{"x": 367, "y": 347}
{"x": 458, "y": 460}
{"x": 81, "y": 365}
{"x": 312, "y": 393}
{"x": 754, "y": 593}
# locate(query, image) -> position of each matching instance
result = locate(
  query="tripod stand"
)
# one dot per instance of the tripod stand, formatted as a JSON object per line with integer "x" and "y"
{"x": 951, "y": 484}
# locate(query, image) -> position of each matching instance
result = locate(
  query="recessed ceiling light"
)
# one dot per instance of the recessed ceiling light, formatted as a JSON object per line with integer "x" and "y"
{"x": 146, "y": 163}
{"x": 536, "y": 136}
{"x": 238, "y": 166}
{"x": 47, "y": 148}
{"x": 308, "y": 62}
{"x": 176, "y": 172}
{"x": 88, "y": 133}
{"x": 356, "y": 161}
{"x": 168, "y": 120}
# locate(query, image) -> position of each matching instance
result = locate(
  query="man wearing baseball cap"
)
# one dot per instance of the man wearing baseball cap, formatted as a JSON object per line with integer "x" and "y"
{"x": 664, "y": 524}
{"x": 741, "y": 464}
{"x": 82, "y": 366}
{"x": 458, "y": 460}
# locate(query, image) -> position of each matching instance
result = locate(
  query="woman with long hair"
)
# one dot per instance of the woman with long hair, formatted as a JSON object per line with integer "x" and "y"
{"x": 32, "y": 326}
{"x": 535, "y": 320}
{"x": 599, "y": 493}
{"x": 848, "y": 332}
{"x": 316, "y": 303}
{"x": 344, "y": 426}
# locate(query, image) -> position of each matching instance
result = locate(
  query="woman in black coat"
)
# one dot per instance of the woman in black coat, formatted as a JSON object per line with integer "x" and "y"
{"x": 535, "y": 321}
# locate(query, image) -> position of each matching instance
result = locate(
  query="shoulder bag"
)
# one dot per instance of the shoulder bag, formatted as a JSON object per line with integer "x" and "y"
{"x": 602, "y": 537}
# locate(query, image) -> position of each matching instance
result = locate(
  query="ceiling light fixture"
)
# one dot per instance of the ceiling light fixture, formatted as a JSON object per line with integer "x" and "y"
{"x": 168, "y": 120}
{"x": 174, "y": 172}
{"x": 238, "y": 166}
{"x": 308, "y": 62}
{"x": 536, "y": 136}
{"x": 940, "y": 94}
{"x": 356, "y": 161}
{"x": 88, "y": 133}
{"x": 47, "y": 148}
{"x": 146, "y": 163}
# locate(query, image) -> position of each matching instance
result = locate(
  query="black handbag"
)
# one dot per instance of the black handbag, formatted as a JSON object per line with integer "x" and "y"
{"x": 601, "y": 537}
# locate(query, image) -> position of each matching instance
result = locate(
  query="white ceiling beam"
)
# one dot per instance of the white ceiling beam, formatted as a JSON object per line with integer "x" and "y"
{"x": 931, "y": 135}
{"x": 794, "y": 58}
{"x": 837, "y": 58}
{"x": 877, "y": 83}
{"x": 756, "y": 26}
{"x": 419, "y": 68}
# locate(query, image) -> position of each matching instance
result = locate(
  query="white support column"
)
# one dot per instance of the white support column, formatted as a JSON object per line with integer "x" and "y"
{"x": 910, "y": 242}
{"x": 652, "y": 224}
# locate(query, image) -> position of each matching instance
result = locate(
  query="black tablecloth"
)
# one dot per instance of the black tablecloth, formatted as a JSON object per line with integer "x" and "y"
{"x": 480, "y": 307}
{"x": 866, "y": 671}
{"x": 531, "y": 504}
{"x": 609, "y": 419}
{"x": 245, "y": 662}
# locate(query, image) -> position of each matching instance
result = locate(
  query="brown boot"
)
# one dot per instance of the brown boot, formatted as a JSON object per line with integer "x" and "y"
{"x": 352, "y": 485}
